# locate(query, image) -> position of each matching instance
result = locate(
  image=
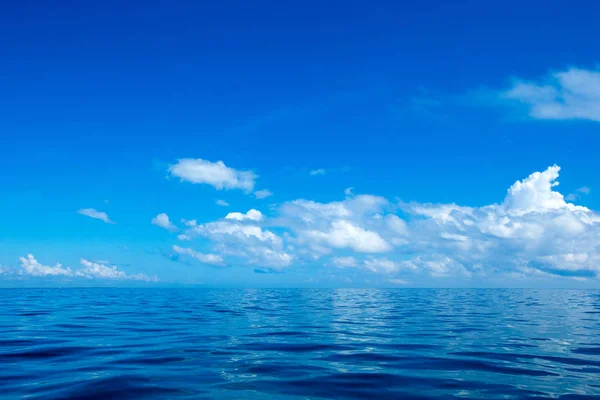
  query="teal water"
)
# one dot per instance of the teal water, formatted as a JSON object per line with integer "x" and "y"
{"x": 299, "y": 344}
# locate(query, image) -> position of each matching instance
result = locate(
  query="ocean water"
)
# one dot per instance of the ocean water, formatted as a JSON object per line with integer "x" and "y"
{"x": 298, "y": 344}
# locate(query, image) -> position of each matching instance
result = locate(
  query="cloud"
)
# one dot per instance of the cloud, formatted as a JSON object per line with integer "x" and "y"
{"x": 237, "y": 236}
{"x": 381, "y": 265}
{"x": 577, "y": 196}
{"x": 252, "y": 215}
{"x": 570, "y": 94}
{"x": 30, "y": 266}
{"x": 222, "y": 203}
{"x": 92, "y": 213}
{"x": 348, "y": 191}
{"x": 92, "y": 270}
{"x": 397, "y": 281}
{"x": 349, "y": 224}
{"x": 345, "y": 234}
{"x": 162, "y": 220}
{"x": 534, "y": 231}
{"x": 261, "y": 194}
{"x": 343, "y": 262}
{"x": 234, "y": 229}
{"x": 216, "y": 174}
{"x": 319, "y": 171}
{"x": 211, "y": 259}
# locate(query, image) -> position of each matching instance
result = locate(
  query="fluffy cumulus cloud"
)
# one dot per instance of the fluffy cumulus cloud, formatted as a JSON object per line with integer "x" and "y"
{"x": 240, "y": 237}
{"x": 162, "y": 220}
{"x": 31, "y": 266}
{"x": 353, "y": 224}
{"x": 89, "y": 269}
{"x": 92, "y": 213}
{"x": 93, "y": 270}
{"x": 533, "y": 231}
{"x": 251, "y": 215}
{"x": 216, "y": 174}
{"x": 570, "y": 94}
{"x": 534, "y": 228}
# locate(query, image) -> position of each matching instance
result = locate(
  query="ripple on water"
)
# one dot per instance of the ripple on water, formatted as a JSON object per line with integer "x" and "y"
{"x": 298, "y": 344}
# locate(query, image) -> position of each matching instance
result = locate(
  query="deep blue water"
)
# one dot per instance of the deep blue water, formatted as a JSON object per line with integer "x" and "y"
{"x": 298, "y": 344}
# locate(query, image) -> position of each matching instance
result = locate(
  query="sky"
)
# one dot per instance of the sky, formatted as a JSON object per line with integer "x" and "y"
{"x": 312, "y": 144}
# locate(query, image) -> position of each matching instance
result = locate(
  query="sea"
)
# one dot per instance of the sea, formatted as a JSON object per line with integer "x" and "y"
{"x": 193, "y": 343}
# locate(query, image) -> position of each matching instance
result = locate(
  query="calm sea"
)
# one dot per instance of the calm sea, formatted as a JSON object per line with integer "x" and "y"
{"x": 298, "y": 344}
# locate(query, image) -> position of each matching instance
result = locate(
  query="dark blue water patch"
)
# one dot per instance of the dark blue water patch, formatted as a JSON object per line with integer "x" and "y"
{"x": 299, "y": 344}
{"x": 593, "y": 351}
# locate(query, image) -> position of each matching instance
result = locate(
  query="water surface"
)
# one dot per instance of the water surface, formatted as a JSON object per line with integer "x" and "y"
{"x": 299, "y": 344}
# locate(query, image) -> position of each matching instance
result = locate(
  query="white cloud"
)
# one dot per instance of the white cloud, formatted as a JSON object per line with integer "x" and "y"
{"x": 212, "y": 259}
{"x": 533, "y": 231}
{"x": 396, "y": 281}
{"x": 216, "y": 174}
{"x": 93, "y": 270}
{"x": 222, "y": 203}
{"x": 570, "y": 94}
{"x": 577, "y": 196}
{"x": 348, "y": 191}
{"x": 92, "y": 213}
{"x": 382, "y": 265}
{"x": 261, "y": 194}
{"x": 252, "y": 215}
{"x": 30, "y": 266}
{"x": 238, "y": 236}
{"x": 344, "y": 234}
{"x": 237, "y": 230}
{"x": 349, "y": 224}
{"x": 532, "y": 223}
{"x": 319, "y": 171}
{"x": 343, "y": 262}
{"x": 162, "y": 220}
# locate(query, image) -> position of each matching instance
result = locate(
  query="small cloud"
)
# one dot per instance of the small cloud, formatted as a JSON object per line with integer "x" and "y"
{"x": 162, "y": 220}
{"x": 343, "y": 262}
{"x": 92, "y": 213}
{"x": 348, "y": 191}
{"x": 30, "y": 266}
{"x": 319, "y": 171}
{"x": 212, "y": 259}
{"x": 222, "y": 203}
{"x": 216, "y": 174}
{"x": 261, "y": 194}
{"x": 569, "y": 94}
{"x": 252, "y": 215}
{"x": 584, "y": 190}
{"x": 577, "y": 196}
{"x": 398, "y": 281}
{"x": 96, "y": 270}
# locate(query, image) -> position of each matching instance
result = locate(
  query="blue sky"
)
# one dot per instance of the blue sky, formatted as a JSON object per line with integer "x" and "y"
{"x": 113, "y": 114}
